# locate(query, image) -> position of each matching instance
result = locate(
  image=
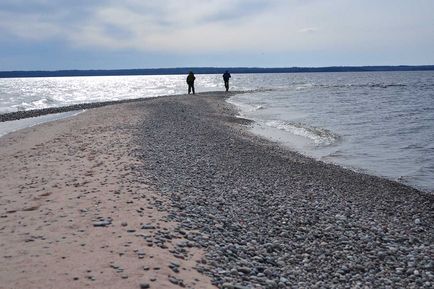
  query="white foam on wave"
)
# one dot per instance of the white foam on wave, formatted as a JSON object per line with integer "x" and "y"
{"x": 304, "y": 86}
{"x": 245, "y": 108}
{"x": 44, "y": 103}
{"x": 319, "y": 136}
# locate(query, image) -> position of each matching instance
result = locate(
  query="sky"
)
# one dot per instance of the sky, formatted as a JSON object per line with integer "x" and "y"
{"x": 109, "y": 34}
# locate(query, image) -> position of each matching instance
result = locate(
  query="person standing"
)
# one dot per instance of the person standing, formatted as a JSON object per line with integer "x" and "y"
{"x": 190, "y": 82}
{"x": 226, "y": 77}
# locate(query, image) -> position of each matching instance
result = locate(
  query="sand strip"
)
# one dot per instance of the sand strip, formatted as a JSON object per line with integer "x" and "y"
{"x": 179, "y": 181}
{"x": 74, "y": 214}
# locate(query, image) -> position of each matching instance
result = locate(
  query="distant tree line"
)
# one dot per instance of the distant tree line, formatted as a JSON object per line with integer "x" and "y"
{"x": 210, "y": 70}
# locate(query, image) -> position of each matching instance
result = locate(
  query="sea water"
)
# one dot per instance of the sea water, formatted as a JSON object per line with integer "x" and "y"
{"x": 380, "y": 123}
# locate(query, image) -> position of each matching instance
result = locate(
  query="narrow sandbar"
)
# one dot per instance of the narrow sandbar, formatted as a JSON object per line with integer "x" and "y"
{"x": 184, "y": 174}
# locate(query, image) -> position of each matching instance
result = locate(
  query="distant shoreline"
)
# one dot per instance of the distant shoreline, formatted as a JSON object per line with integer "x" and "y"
{"x": 209, "y": 70}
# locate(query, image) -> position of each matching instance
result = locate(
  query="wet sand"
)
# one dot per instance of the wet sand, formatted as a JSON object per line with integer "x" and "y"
{"x": 156, "y": 191}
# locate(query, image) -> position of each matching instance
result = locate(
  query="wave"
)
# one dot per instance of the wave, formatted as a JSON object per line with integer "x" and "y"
{"x": 303, "y": 86}
{"x": 263, "y": 89}
{"x": 245, "y": 107}
{"x": 368, "y": 85}
{"x": 320, "y": 136}
{"x": 40, "y": 103}
{"x": 308, "y": 85}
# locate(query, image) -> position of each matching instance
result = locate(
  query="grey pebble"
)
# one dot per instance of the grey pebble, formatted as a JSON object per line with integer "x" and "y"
{"x": 268, "y": 217}
{"x": 102, "y": 223}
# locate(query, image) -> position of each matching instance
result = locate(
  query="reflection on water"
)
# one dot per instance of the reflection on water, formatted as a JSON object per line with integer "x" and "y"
{"x": 378, "y": 122}
{"x": 14, "y": 125}
{"x": 381, "y": 123}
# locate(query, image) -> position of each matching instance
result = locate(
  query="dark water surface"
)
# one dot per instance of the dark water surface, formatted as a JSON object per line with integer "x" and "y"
{"x": 380, "y": 123}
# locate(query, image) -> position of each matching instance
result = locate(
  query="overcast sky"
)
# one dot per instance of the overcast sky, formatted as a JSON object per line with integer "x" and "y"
{"x": 105, "y": 34}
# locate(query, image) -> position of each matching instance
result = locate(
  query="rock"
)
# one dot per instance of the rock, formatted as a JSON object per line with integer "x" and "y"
{"x": 227, "y": 286}
{"x": 176, "y": 281}
{"x": 102, "y": 223}
{"x": 270, "y": 218}
{"x": 174, "y": 269}
{"x": 145, "y": 285}
{"x": 244, "y": 270}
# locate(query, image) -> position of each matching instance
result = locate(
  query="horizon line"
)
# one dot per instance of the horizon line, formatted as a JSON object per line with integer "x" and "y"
{"x": 209, "y": 70}
{"x": 218, "y": 67}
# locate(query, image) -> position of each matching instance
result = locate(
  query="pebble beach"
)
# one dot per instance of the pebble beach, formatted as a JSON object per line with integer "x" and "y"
{"x": 175, "y": 192}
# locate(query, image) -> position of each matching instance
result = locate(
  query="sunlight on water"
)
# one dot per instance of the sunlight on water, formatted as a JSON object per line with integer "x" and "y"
{"x": 34, "y": 93}
{"x": 381, "y": 123}
{"x": 378, "y": 122}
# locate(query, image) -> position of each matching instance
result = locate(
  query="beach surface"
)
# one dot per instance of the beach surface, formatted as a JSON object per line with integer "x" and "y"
{"x": 75, "y": 214}
{"x": 176, "y": 192}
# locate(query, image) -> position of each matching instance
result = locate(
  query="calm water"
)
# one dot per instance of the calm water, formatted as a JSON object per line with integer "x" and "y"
{"x": 381, "y": 123}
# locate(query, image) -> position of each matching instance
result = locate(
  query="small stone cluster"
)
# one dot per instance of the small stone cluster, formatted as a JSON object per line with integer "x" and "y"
{"x": 271, "y": 218}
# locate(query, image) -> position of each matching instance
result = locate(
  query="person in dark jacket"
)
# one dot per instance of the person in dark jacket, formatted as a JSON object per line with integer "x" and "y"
{"x": 226, "y": 77}
{"x": 190, "y": 82}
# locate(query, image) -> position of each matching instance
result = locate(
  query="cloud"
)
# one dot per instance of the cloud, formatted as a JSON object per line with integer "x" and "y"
{"x": 173, "y": 25}
{"x": 29, "y": 27}
{"x": 308, "y": 30}
{"x": 198, "y": 26}
{"x": 41, "y": 19}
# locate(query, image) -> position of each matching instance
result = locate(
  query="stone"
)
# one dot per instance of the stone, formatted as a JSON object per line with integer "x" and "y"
{"x": 228, "y": 286}
{"x": 244, "y": 270}
{"x": 102, "y": 223}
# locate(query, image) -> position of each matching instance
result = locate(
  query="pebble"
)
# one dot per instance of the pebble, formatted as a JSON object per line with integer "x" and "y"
{"x": 176, "y": 281}
{"x": 244, "y": 270}
{"x": 266, "y": 216}
{"x": 102, "y": 223}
